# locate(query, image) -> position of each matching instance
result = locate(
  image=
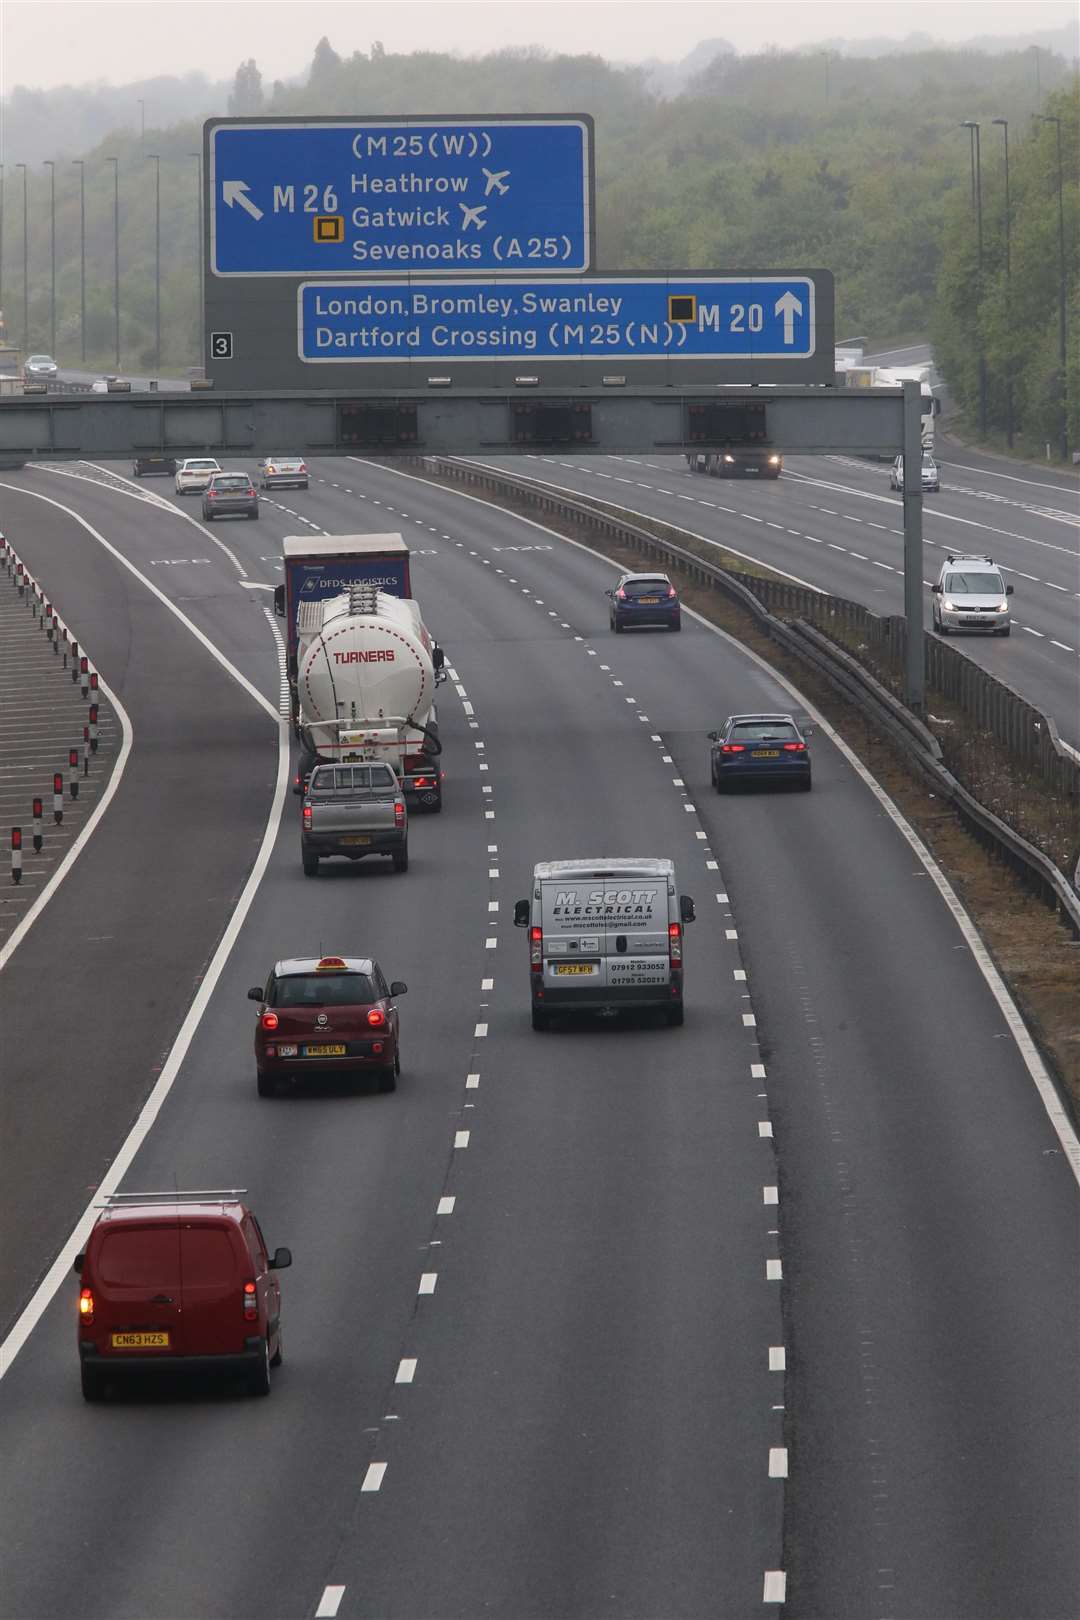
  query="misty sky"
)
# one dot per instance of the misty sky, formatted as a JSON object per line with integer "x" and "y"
{"x": 49, "y": 42}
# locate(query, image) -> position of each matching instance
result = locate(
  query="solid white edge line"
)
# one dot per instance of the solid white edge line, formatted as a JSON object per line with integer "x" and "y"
{"x": 149, "y": 497}
{"x": 110, "y": 1181}
{"x": 1029, "y": 1052}
{"x": 7, "y": 951}
{"x": 242, "y": 680}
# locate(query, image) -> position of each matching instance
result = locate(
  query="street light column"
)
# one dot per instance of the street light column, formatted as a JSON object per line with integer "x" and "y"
{"x": 25, "y": 264}
{"x": 972, "y": 126}
{"x": 116, "y": 251}
{"x": 80, "y": 164}
{"x": 1004, "y": 122}
{"x": 199, "y": 227}
{"x": 51, "y": 166}
{"x": 157, "y": 259}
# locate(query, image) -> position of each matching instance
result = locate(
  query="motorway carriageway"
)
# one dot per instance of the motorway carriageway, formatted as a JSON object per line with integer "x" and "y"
{"x": 619, "y": 1321}
{"x": 832, "y": 521}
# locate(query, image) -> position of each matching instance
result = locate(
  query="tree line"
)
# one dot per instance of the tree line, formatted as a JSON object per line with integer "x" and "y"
{"x": 777, "y": 160}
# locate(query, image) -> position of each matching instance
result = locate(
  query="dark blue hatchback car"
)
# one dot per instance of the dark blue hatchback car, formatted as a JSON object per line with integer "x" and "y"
{"x": 760, "y": 748}
{"x": 645, "y": 599}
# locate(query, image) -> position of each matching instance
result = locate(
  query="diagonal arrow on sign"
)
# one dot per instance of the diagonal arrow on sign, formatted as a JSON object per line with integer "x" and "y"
{"x": 235, "y": 191}
{"x": 788, "y": 306}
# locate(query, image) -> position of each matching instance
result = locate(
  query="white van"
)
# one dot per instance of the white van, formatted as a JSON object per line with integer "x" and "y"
{"x": 604, "y": 935}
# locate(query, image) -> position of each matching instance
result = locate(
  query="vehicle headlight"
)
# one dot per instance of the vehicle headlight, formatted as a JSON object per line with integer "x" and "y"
{"x": 1003, "y": 607}
{"x": 729, "y": 458}
{"x": 774, "y": 461}
{"x": 950, "y": 607}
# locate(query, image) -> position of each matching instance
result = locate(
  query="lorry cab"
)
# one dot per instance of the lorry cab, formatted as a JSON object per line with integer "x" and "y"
{"x": 605, "y": 935}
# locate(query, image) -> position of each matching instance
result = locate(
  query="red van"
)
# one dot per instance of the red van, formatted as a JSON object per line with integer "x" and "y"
{"x": 178, "y": 1281}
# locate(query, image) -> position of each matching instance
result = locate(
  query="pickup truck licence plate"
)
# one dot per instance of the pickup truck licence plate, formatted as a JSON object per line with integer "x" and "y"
{"x": 766, "y": 753}
{"x": 324, "y": 1051}
{"x": 574, "y": 967}
{"x": 141, "y": 1341}
{"x": 356, "y": 838}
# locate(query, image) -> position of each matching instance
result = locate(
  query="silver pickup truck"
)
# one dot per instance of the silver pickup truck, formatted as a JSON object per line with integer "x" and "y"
{"x": 354, "y": 810}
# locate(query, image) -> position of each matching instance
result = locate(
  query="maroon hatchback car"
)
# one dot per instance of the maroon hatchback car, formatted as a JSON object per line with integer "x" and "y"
{"x": 178, "y": 1282}
{"x": 329, "y": 1015}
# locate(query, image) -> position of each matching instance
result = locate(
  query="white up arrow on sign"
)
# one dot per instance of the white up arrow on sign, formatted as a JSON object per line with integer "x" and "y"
{"x": 235, "y": 191}
{"x": 789, "y": 306}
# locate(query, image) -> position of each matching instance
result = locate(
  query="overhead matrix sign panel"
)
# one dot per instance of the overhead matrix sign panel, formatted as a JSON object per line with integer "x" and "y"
{"x": 326, "y": 196}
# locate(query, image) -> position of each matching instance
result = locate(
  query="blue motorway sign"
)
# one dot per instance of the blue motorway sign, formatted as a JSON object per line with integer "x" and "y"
{"x": 768, "y": 316}
{"x": 303, "y": 197}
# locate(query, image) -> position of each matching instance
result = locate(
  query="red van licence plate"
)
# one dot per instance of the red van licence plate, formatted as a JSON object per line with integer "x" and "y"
{"x": 143, "y": 1340}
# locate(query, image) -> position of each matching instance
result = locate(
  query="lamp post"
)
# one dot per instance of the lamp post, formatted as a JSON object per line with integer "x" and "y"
{"x": 1, "y": 239}
{"x": 142, "y": 122}
{"x": 25, "y": 265}
{"x": 1047, "y": 118}
{"x": 51, "y": 166}
{"x": 116, "y": 251}
{"x": 1004, "y": 122}
{"x": 971, "y": 125}
{"x": 156, "y": 160}
{"x": 199, "y": 225}
{"x": 80, "y": 164}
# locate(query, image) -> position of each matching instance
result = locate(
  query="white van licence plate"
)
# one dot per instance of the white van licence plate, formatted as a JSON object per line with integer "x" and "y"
{"x": 575, "y": 967}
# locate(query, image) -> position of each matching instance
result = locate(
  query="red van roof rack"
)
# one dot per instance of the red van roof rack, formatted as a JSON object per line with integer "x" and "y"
{"x": 203, "y": 1195}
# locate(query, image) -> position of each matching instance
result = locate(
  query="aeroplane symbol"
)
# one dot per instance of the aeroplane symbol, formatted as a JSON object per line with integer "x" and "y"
{"x": 471, "y": 216}
{"x": 495, "y": 181}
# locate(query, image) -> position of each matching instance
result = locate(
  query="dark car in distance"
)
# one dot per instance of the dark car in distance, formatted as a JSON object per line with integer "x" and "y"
{"x": 154, "y": 467}
{"x": 762, "y": 748}
{"x": 644, "y": 599}
{"x": 327, "y": 1016}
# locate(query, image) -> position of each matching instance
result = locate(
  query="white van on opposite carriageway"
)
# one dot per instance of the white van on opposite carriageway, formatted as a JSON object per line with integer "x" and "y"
{"x": 604, "y": 935}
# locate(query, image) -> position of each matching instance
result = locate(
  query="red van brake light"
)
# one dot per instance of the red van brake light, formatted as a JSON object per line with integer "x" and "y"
{"x": 675, "y": 941}
{"x": 251, "y": 1303}
{"x": 795, "y": 748}
{"x": 86, "y": 1305}
{"x": 536, "y": 950}
{"x": 376, "y": 1018}
{"x": 733, "y": 748}
{"x": 269, "y": 1020}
